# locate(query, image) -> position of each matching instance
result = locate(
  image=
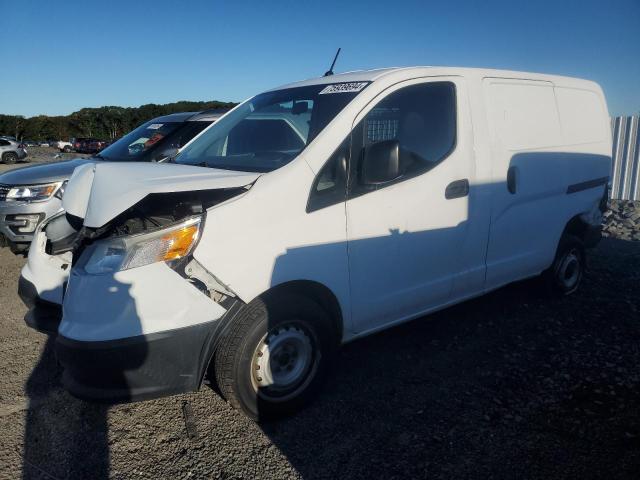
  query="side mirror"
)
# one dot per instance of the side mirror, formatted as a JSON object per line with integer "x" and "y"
{"x": 166, "y": 154}
{"x": 381, "y": 162}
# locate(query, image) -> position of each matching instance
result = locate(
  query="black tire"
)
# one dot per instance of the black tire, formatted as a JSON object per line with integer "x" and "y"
{"x": 66, "y": 149}
{"x": 566, "y": 273}
{"x": 10, "y": 158}
{"x": 276, "y": 319}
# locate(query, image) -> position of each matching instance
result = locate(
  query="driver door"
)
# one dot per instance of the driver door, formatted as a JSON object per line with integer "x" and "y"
{"x": 404, "y": 235}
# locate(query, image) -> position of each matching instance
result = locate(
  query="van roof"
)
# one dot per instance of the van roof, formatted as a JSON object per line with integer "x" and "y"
{"x": 412, "y": 72}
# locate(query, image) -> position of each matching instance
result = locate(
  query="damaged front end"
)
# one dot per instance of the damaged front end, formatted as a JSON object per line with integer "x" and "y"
{"x": 139, "y": 313}
{"x": 160, "y": 227}
{"x": 162, "y": 224}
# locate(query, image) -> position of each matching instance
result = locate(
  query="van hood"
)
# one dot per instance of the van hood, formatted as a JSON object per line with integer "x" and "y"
{"x": 99, "y": 192}
{"x": 43, "y": 173}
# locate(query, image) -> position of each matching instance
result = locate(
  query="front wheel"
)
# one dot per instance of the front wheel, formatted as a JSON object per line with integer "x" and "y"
{"x": 565, "y": 274}
{"x": 275, "y": 355}
{"x": 10, "y": 158}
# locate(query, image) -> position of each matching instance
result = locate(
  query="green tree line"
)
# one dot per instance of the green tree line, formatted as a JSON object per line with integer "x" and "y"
{"x": 103, "y": 122}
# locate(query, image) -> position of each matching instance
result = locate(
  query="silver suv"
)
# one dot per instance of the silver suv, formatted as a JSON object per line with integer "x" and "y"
{"x": 11, "y": 151}
{"x": 29, "y": 195}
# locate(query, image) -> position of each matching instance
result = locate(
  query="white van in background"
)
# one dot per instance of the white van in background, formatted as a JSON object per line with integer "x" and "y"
{"x": 314, "y": 214}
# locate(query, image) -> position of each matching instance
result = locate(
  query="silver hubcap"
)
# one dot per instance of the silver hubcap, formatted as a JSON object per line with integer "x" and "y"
{"x": 282, "y": 359}
{"x": 569, "y": 272}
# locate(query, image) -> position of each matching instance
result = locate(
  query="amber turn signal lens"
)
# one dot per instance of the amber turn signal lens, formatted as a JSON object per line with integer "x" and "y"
{"x": 179, "y": 242}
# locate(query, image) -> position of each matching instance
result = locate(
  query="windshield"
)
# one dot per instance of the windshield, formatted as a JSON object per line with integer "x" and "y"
{"x": 151, "y": 139}
{"x": 271, "y": 129}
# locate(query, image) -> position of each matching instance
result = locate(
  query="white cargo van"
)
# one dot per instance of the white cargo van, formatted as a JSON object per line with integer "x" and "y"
{"x": 311, "y": 215}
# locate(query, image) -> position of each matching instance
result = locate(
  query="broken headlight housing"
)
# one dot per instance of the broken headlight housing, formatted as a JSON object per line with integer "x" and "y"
{"x": 122, "y": 253}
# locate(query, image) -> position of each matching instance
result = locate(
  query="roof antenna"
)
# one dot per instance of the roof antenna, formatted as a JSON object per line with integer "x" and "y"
{"x": 330, "y": 71}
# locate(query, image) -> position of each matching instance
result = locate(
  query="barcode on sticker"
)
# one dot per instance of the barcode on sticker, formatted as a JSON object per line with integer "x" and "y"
{"x": 343, "y": 87}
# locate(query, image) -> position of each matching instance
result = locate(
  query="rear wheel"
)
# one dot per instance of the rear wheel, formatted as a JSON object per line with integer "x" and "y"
{"x": 67, "y": 149}
{"x": 10, "y": 158}
{"x": 565, "y": 274}
{"x": 275, "y": 355}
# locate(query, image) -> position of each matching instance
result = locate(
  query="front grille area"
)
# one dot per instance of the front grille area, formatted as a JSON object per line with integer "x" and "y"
{"x": 4, "y": 189}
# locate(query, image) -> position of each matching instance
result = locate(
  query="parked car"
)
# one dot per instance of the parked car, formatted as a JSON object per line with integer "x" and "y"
{"x": 88, "y": 145}
{"x": 30, "y": 143}
{"x": 63, "y": 146}
{"x": 312, "y": 215}
{"x": 12, "y": 151}
{"x": 29, "y": 195}
{"x": 79, "y": 143}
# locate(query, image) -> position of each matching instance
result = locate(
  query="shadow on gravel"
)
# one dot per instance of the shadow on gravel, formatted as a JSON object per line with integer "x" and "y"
{"x": 510, "y": 385}
{"x": 64, "y": 437}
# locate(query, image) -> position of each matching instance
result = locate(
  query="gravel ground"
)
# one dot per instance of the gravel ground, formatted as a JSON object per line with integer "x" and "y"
{"x": 622, "y": 220}
{"x": 42, "y": 155}
{"x": 510, "y": 385}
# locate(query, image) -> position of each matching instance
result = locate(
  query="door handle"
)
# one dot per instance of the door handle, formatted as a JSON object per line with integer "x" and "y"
{"x": 512, "y": 179}
{"x": 457, "y": 189}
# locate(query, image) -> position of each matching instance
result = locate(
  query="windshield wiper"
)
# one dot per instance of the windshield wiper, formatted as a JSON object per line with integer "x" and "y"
{"x": 100, "y": 157}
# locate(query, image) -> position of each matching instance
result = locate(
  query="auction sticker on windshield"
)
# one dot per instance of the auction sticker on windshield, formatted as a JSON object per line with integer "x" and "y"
{"x": 343, "y": 87}
{"x": 154, "y": 126}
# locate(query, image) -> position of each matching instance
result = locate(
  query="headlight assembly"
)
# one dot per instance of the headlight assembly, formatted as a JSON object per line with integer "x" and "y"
{"x": 122, "y": 253}
{"x": 33, "y": 193}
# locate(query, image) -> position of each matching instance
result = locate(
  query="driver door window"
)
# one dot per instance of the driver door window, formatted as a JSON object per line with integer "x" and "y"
{"x": 420, "y": 118}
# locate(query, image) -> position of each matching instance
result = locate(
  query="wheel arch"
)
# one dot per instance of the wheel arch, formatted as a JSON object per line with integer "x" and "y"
{"x": 316, "y": 291}
{"x": 319, "y": 293}
{"x": 576, "y": 226}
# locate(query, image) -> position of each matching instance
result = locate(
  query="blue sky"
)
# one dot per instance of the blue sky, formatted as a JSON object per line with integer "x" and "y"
{"x": 60, "y": 56}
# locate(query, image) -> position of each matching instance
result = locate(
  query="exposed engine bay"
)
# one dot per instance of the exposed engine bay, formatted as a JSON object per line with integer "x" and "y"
{"x": 157, "y": 210}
